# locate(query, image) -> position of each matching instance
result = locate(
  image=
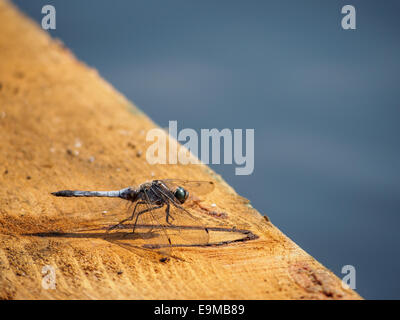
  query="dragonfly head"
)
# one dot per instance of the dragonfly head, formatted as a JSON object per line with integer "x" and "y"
{"x": 181, "y": 194}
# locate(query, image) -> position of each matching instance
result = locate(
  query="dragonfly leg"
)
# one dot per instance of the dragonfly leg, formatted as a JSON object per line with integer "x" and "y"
{"x": 141, "y": 212}
{"x": 127, "y": 219}
{"x": 167, "y": 214}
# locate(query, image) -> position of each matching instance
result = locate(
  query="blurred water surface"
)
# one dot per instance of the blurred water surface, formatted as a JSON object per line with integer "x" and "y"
{"x": 324, "y": 104}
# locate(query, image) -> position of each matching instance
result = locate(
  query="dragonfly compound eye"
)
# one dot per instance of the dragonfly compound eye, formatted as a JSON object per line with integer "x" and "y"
{"x": 181, "y": 194}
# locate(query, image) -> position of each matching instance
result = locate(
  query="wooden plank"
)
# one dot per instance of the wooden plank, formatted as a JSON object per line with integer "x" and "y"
{"x": 62, "y": 125}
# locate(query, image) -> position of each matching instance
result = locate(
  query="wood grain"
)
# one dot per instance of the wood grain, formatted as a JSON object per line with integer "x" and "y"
{"x": 62, "y": 125}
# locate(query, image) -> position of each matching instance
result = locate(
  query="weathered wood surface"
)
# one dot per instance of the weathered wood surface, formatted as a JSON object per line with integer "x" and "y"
{"x": 62, "y": 125}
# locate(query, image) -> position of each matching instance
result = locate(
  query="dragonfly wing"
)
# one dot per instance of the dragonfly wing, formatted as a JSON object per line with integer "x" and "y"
{"x": 82, "y": 212}
{"x": 187, "y": 228}
{"x": 149, "y": 224}
{"x": 95, "y": 211}
{"x": 197, "y": 187}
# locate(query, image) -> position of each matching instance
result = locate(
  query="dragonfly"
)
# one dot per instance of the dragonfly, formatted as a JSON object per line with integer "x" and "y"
{"x": 158, "y": 211}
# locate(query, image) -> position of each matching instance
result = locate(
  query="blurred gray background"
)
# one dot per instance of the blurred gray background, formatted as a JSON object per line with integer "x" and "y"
{"x": 324, "y": 103}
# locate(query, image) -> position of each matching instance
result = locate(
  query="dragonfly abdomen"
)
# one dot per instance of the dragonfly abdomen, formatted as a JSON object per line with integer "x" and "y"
{"x": 124, "y": 193}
